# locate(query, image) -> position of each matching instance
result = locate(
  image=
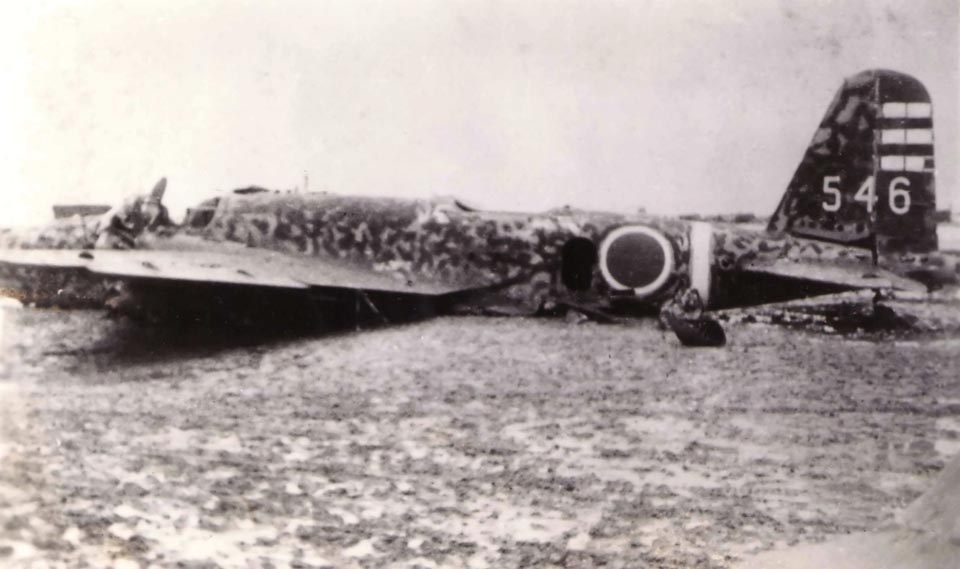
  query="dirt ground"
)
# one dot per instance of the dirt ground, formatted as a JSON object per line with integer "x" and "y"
{"x": 461, "y": 442}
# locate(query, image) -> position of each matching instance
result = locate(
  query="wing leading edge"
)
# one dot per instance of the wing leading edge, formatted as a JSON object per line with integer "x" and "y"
{"x": 250, "y": 267}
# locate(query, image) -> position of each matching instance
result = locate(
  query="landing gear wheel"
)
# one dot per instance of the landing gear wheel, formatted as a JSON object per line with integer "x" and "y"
{"x": 684, "y": 315}
{"x": 881, "y": 315}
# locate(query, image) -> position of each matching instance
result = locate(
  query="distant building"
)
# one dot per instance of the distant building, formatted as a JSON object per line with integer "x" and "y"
{"x": 64, "y": 211}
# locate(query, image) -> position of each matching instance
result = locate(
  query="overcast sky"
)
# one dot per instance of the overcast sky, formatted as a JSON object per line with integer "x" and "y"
{"x": 675, "y": 106}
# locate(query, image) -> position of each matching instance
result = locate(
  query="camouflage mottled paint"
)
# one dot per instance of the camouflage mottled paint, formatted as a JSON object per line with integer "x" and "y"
{"x": 76, "y": 232}
{"x": 847, "y": 144}
{"x": 438, "y": 240}
{"x": 517, "y": 255}
{"x": 735, "y": 247}
{"x": 843, "y": 145}
{"x": 57, "y": 288}
{"x": 433, "y": 240}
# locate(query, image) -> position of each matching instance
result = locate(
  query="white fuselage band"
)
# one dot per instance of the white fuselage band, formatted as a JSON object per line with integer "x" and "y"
{"x": 701, "y": 252}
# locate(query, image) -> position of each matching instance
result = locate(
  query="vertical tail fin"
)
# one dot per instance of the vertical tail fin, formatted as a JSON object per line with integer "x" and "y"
{"x": 867, "y": 178}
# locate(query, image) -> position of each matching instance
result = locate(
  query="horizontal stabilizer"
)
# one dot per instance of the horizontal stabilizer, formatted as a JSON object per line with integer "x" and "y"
{"x": 849, "y": 276}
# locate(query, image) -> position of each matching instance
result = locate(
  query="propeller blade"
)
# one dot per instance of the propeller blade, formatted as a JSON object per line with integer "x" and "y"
{"x": 156, "y": 194}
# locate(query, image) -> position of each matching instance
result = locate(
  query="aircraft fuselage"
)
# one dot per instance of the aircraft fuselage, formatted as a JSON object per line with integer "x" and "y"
{"x": 531, "y": 259}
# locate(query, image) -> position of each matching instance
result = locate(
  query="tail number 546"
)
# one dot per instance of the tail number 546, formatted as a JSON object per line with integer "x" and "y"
{"x": 898, "y": 194}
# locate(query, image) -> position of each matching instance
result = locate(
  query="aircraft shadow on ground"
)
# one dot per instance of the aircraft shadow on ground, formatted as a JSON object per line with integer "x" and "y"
{"x": 125, "y": 342}
{"x": 202, "y": 325}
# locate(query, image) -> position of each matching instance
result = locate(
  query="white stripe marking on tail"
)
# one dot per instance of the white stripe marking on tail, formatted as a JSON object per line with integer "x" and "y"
{"x": 919, "y": 110}
{"x": 906, "y": 136}
{"x": 891, "y": 163}
{"x": 919, "y": 136}
{"x": 906, "y": 110}
{"x": 915, "y": 163}
{"x": 893, "y": 136}
{"x": 894, "y": 110}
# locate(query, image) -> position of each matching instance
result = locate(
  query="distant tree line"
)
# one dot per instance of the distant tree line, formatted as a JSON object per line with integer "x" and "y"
{"x": 942, "y": 216}
{"x": 726, "y": 218}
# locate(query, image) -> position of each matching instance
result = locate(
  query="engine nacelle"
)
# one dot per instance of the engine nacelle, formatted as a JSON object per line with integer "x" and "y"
{"x": 637, "y": 258}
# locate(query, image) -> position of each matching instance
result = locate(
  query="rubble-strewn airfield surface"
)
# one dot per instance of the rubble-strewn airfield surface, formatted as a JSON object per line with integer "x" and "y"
{"x": 461, "y": 442}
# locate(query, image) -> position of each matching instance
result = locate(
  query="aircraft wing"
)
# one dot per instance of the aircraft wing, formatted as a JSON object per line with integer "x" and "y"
{"x": 252, "y": 267}
{"x": 851, "y": 276}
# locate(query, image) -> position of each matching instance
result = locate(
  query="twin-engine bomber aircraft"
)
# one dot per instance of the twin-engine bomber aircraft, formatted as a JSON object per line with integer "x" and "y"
{"x": 858, "y": 214}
